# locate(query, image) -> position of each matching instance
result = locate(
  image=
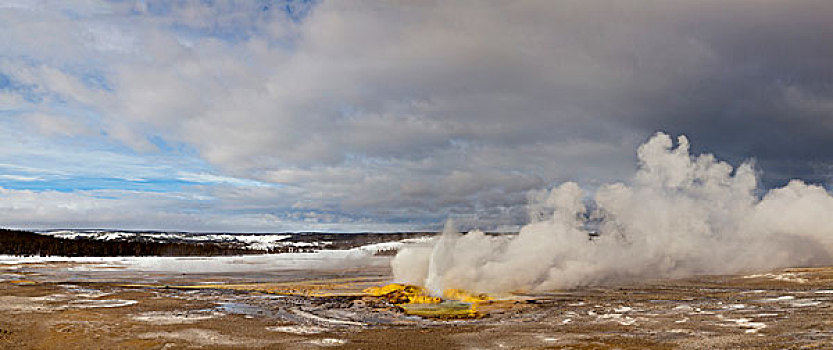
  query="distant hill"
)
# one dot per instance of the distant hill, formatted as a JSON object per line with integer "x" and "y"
{"x": 13, "y": 242}
{"x": 129, "y": 243}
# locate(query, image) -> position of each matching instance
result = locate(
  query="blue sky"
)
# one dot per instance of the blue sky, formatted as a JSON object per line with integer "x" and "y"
{"x": 56, "y": 142}
{"x": 308, "y": 115}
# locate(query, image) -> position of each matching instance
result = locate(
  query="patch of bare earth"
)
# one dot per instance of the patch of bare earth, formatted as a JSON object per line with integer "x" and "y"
{"x": 790, "y": 308}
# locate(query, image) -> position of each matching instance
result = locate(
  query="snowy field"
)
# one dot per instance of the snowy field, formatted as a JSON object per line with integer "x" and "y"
{"x": 364, "y": 256}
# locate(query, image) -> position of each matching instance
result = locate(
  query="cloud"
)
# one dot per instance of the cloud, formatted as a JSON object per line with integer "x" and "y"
{"x": 684, "y": 215}
{"x": 85, "y": 209}
{"x": 58, "y": 125}
{"x": 137, "y": 210}
{"x": 393, "y": 112}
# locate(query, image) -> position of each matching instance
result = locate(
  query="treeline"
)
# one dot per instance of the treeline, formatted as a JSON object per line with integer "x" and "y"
{"x": 24, "y": 243}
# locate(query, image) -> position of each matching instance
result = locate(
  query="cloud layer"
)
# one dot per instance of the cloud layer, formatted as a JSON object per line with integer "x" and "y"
{"x": 400, "y": 114}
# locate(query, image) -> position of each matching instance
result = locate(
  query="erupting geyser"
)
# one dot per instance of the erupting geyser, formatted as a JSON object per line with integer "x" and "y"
{"x": 682, "y": 215}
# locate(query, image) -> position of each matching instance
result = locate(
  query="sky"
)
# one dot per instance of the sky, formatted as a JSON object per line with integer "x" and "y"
{"x": 270, "y": 116}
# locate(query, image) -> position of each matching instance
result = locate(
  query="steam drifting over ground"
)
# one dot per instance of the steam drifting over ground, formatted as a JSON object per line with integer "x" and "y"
{"x": 683, "y": 215}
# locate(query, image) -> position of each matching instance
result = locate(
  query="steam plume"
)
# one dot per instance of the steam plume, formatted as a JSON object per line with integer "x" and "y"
{"x": 682, "y": 215}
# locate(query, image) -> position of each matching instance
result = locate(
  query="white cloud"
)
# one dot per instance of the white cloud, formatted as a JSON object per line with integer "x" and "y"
{"x": 21, "y": 178}
{"x": 58, "y": 125}
{"x": 156, "y": 211}
{"x": 391, "y": 111}
{"x": 217, "y": 179}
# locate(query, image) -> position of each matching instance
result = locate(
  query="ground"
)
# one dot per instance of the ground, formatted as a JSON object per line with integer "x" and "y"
{"x": 68, "y": 305}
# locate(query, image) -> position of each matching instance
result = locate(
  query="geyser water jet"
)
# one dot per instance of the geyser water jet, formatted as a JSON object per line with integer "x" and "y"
{"x": 681, "y": 215}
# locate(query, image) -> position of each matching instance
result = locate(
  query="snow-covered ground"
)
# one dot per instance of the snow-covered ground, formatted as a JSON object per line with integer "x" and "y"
{"x": 375, "y": 247}
{"x": 359, "y": 257}
{"x": 329, "y": 259}
{"x": 250, "y": 241}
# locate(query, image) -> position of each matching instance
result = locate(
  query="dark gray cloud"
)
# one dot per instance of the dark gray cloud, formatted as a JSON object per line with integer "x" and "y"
{"x": 765, "y": 91}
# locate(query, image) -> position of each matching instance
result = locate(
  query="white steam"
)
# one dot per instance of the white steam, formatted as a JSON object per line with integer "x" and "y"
{"x": 683, "y": 215}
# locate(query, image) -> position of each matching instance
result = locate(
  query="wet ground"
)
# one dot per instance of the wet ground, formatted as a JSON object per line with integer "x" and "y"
{"x": 44, "y": 307}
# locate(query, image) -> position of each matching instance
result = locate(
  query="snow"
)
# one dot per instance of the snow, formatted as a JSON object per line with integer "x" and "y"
{"x": 298, "y": 329}
{"x": 622, "y": 320}
{"x": 262, "y": 242}
{"x": 328, "y": 342}
{"x": 169, "y": 318}
{"x": 751, "y": 327}
{"x": 805, "y": 303}
{"x": 250, "y": 241}
{"x": 623, "y": 309}
{"x": 320, "y": 260}
{"x": 785, "y": 277}
{"x": 375, "y": 247}
{"x": 94, "y": 303}
{"x": 319, "y": 319}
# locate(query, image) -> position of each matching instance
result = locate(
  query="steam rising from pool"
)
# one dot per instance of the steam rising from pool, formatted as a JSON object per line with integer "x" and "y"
{"x": 682, "y": 215}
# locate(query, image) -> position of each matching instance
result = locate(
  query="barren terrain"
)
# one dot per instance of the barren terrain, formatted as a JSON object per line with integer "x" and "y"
{"x": 45, "y": 306}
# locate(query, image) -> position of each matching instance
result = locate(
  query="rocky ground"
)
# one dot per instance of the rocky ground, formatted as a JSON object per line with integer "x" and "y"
{"x": 43, "y": 307}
